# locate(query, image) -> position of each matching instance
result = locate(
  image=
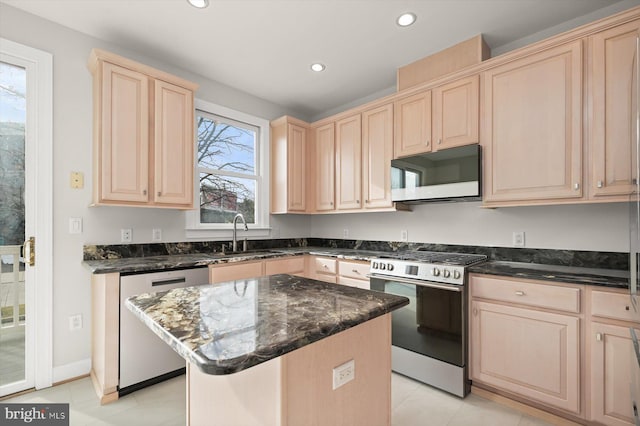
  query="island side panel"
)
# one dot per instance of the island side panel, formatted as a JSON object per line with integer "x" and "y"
{"x": 251, "y": 397}
{"x": 105, "y": 320}
{"x": 308, "y": 379}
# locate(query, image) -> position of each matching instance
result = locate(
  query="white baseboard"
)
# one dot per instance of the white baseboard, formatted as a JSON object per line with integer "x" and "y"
{"x": 71, "y": 370}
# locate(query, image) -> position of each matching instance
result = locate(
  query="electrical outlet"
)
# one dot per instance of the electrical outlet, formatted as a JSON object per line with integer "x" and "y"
{"x": 343, "y": 374}
{"x": 345, "y": 233}
{"x": 404, "y": 235}
{"x": 518, "y": 239}
{"x": 156, "y": 235}
{"x": 126, "y": 235}
{"x": 75, "y": 322}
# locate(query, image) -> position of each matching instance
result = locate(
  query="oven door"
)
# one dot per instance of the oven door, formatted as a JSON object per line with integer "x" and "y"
{"x": 433, "y": 324}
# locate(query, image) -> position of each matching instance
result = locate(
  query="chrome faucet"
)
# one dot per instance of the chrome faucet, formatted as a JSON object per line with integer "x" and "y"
{"x": 235, "y": 223}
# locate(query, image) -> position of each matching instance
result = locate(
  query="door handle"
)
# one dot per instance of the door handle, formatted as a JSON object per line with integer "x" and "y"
{"x": 29, "y": 247}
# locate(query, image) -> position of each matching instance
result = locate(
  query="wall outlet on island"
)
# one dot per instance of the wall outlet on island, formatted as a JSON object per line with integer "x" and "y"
{"x": 518, "y": 239}
{"x": 344, "y": 373}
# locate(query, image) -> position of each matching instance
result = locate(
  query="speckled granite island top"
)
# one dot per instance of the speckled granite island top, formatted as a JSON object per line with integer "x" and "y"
{"x": 225, "y": 328}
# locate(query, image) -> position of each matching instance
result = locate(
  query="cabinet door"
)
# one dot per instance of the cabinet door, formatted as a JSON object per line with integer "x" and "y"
{"x": 173, "y": 144}
{"x": 123, "y": 169}
{"x": 288, "y": 265}
{"x": 456, "y": 113}
{"x": 531, "y": 353}
{"x": 348, "y": 163}
{"x": 531, "y": 132}
{"x": 296, "y": 161}
{"x": 377, "y": 150}
{"x": 615, "y": 106}
{"x": 412, "y": 125}
{"x": 325, "y": 167}
{"x": 611, "y": 352}
{"x": 235, "y": 271}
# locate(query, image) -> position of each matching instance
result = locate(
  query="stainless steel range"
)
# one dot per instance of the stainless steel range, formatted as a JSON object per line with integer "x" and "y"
{"x": 429, "y": 337}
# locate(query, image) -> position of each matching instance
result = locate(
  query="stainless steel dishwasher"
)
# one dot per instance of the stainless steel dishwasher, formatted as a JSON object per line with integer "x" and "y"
{"x": 144, "y": 358}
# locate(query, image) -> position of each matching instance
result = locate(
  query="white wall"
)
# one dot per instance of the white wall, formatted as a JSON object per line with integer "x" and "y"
{"x": 599, "y": 227}
{"x": 72, "y": 139}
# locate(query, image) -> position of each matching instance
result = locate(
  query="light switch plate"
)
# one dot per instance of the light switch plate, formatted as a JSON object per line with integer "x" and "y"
{"x": 75, "y": 225}
{"x": 156, "y": 235}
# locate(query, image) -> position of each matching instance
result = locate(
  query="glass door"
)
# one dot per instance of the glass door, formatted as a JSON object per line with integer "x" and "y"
{"x": 13, "y": 115}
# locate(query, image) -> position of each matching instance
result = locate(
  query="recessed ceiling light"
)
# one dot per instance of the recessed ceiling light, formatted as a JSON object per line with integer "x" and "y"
{"x": 406, "y": 19}
{"x": 200, "y": 4}
{"x": 317, "y": 67}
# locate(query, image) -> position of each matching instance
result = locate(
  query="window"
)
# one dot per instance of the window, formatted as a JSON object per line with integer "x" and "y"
{"x": 232, "y": 176}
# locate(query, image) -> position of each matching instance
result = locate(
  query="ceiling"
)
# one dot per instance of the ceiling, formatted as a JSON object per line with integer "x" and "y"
{"x": 265, "y": 47}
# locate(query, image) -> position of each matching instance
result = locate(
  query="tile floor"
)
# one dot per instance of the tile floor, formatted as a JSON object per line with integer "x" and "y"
{"x": 164, "y": 405}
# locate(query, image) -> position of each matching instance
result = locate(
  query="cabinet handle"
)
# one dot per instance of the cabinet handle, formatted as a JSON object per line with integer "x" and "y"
{"x": 427, "y": 142}
{"x": 475, "y": 312}
{"x": 439, "y": 141}
{"x": 144, "y": 192}
{"x": 325, "y": 266}
{"x": 599, "y": 184}
{"x": 355, "y": 271}
{"x": 357, "y": 201}
{"x": 519, "y": 293}
{"x": 576, "y": 186}
{"x": 366, "y": 201}
{"x": 599, "y": 337}
{"x": 626, "y": 308}
{"x": 330, "y": 203}
{"x": 159, "y": 193}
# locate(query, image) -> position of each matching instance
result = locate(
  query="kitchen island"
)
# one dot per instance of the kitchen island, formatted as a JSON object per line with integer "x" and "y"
{"x": 264, "y": 351}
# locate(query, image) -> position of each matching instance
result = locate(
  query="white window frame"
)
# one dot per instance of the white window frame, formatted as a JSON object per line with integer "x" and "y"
{"x": 195, "y": 229}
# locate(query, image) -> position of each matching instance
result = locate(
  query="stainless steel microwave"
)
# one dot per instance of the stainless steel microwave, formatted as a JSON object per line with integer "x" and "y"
{"x": 453, "y": 174}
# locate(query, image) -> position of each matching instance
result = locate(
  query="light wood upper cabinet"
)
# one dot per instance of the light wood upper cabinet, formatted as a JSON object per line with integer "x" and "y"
{"x": 412, "y": 125}
{"x": 456, "y": 113}
{"x": 143, "y": 134}
{"x": 325, "y": 167}
{"x": 173, "y": 150}
{"x": 614, "y": 100}
{"x": 288, "y": 165}
{"x": 348, "y": 163}
{"x": 531, "y": 129}
{"x": 377, "y": 151}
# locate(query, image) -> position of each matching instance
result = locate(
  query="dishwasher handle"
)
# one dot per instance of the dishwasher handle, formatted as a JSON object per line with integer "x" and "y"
{"x": 168, "y": 281}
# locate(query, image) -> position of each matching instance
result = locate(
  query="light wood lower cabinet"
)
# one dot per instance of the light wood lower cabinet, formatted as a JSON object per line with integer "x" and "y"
{"x": 610, "y": 351}
{"x": 256, "y": 268}
{"x": 532, "y": 353}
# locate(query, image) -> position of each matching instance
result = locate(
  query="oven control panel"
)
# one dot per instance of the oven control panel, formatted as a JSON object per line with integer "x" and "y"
{"x": 442, "y": 273}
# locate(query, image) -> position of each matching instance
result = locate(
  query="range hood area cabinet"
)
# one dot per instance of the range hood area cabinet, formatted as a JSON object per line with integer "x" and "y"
{"x": 546, "y": 140}
{"x": 143, "y": 134}
{"x": 443, "y": 117}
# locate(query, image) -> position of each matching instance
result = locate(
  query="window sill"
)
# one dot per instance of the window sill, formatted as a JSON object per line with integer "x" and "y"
{"x": 226, "y": 233}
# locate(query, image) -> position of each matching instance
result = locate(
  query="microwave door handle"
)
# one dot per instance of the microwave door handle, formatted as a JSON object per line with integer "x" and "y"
{"x": 420, "y": 283}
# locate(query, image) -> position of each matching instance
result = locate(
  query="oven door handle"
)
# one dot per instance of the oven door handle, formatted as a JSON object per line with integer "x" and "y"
{"x": 421, "y": 283}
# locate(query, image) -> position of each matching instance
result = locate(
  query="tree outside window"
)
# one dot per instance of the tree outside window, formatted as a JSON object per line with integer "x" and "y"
{"x": 227, "y": 169}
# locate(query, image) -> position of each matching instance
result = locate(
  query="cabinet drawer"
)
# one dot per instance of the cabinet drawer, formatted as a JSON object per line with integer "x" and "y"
{"x": 353, "y": 282}
{"x": 324, "y": 265}
{"x": 611, "y": 305}
{"x": 328, "y": 278}
{"x": 357, "y": 270}
{"x": 526, "y": 293}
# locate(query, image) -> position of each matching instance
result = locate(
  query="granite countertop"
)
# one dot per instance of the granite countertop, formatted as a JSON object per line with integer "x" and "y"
{"x": 612, "y": 278}
{"x": 181, "y": 261}
{"x": 232, "y": 326}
